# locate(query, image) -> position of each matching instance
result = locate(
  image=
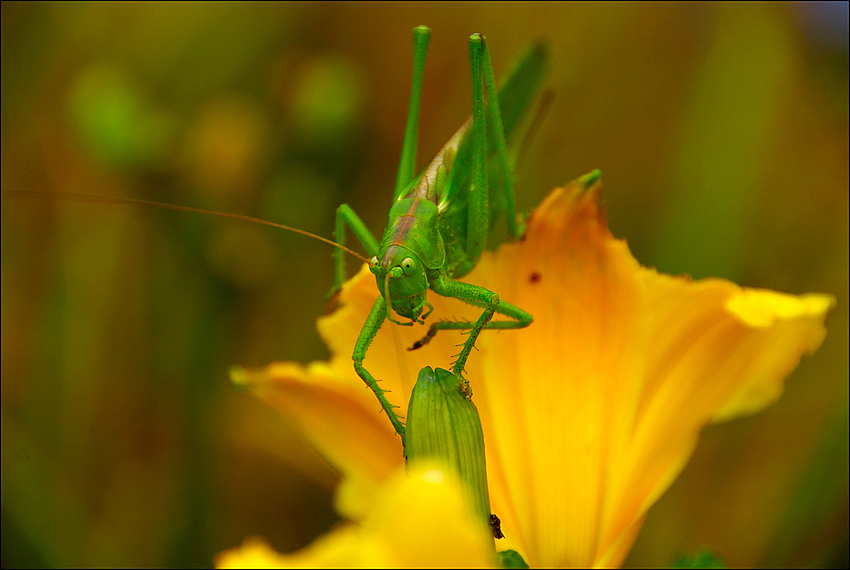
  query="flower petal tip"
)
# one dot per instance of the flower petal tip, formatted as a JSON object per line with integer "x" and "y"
{"x": 762, "y": 308}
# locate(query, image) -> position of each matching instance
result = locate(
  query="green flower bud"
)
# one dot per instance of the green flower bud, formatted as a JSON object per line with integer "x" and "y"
{"x": 443, "y": 427}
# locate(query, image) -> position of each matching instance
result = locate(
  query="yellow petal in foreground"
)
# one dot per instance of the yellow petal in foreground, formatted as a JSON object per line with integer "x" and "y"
{"x": 591, "y": 412}
{"x": 419, "y": 519}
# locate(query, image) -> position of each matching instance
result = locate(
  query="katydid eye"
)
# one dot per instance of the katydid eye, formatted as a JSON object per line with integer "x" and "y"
{"x": 373, "y": 263}
{"x": 408, "y": 266}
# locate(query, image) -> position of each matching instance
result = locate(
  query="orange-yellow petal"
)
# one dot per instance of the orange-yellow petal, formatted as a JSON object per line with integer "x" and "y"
{"x": 340, "y": 420}
{"x": 718, "y": 351}
{"x": 591, "y": 412}
{"x": 558, "y": 399}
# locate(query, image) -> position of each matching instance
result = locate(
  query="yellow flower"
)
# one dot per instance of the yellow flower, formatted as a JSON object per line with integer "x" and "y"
{"x": 589, "y": 414}
{"x": 418, "y": 519}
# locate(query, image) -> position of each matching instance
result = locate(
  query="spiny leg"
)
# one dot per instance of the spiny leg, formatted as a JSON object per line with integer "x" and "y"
{"x": 479, "y": 297}
{"x": 367, "y": 335}
{"x": 459, "y": 364}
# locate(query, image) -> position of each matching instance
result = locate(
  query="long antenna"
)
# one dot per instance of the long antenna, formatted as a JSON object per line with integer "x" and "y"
{"x": 136, "y": 201}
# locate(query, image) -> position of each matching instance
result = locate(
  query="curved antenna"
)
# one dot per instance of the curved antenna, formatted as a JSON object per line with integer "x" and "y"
{"x": 165, "y": 206}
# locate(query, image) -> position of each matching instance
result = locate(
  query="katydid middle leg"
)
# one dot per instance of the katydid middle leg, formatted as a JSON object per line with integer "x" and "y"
{"x": 345, "y": 216}
{"x": 480, "y": 297}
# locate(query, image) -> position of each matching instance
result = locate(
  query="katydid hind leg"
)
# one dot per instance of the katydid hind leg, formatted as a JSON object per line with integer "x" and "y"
{"x": 497, "y": 136}
{"x": 487, "y": 139}
{"x": 345, "y": 216}
{"x": 478, "y": 214}
{"x": 407, "y": 164}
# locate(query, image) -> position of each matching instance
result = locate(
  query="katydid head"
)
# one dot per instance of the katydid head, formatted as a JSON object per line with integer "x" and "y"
{"x": 402, "y": 281}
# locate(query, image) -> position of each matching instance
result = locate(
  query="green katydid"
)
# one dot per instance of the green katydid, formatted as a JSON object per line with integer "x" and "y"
{"x": 440, "y": 219}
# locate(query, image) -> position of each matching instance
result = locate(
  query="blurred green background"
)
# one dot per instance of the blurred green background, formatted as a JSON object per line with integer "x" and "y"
{"x": 721, "y": 132}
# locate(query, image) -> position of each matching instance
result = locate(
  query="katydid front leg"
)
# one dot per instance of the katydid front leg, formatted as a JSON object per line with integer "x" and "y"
{"x": 367, "y": 334}
{"x": 345, "y": 216}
